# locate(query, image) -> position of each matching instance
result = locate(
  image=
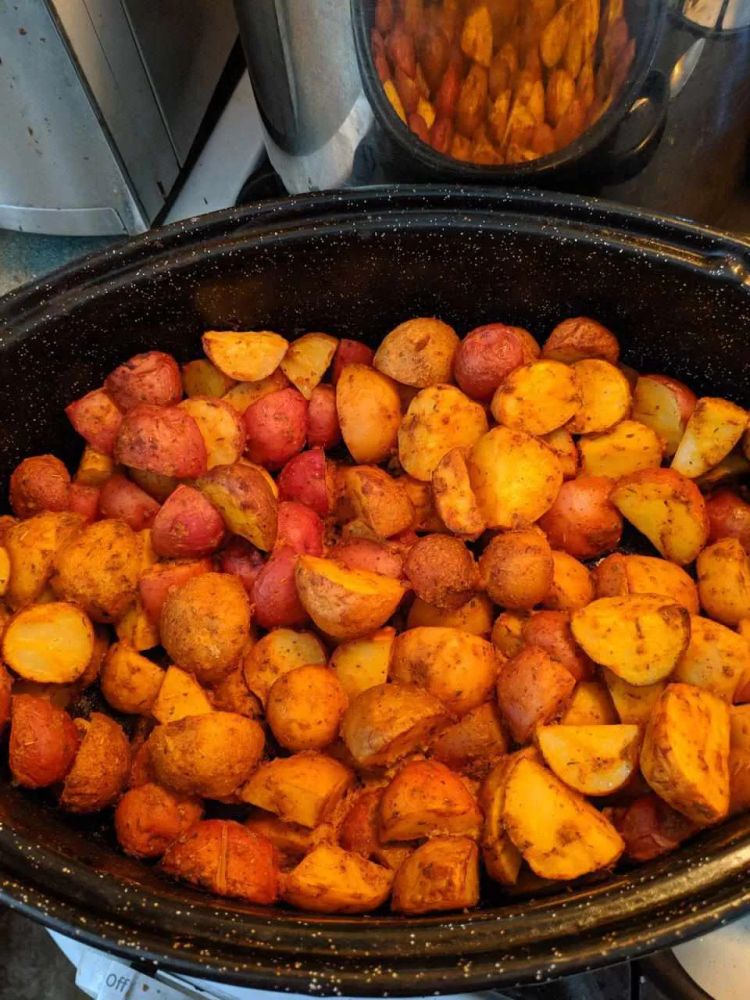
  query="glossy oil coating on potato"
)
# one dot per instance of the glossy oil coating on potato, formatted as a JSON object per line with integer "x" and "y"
{"x": 381, "y": 607}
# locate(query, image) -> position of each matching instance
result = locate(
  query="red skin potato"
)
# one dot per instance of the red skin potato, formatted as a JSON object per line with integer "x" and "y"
{"x": 532, "y": 690}
{"x": 96, "y": 418}
{"x": 299, "y": 528}
{"x": 276, "y": 427}
{"x": 6, "y": 523}
{"x": 350, "y": 352}
{"x": 363, "y": 553}
{"x": 43, "y": 742}
{"x": 729, "y": 517}
{"x": 162, "y": 439}
{"x": 242, "y": 560}
{"x": 187, "y": 526}
{"x": 6, "y": 684}
{"x": 153, "y": 377}
{"x": 582, "y": 521}
{"x": 123, "y": 500}
{"x": 684, "y": 396}
{"x": 226, "y": 858}
{"x": 309, "y": 479}
{"x": 84, "y": 500}
{"x": 158, "y": 580}
{"x": 275, "y": 594}
{"x": 486, "y": 356}
{"x": 323, "y": 429}
{"x": 39, "y": 483}
{"x": 550, "y": 631}
{"x": 149, "y": 818}
{"x": 650, "y": 827}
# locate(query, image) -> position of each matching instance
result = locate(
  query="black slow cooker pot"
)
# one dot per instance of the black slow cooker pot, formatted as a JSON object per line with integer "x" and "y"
{"x": 356, "y": 264}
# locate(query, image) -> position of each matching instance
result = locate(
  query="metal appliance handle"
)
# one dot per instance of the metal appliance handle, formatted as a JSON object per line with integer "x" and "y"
{"x": 624, "y": 157}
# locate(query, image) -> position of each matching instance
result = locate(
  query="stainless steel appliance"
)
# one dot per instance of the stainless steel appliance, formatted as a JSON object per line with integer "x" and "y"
{"x": 100, "y": 102}
{"x": 645, "y": 101}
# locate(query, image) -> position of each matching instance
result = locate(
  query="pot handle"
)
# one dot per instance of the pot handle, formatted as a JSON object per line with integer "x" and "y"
{"x": 638, "y": 134}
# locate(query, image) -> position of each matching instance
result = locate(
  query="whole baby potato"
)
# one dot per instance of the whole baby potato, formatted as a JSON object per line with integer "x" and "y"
{"x": 206, "y": 755}
{"x": 442, "y": 571}
{"x": 37, "y": 484}
{"x": 205, "y": 624}
{"x": 305, "y": 706}
{"x": 583, "y": 521}
{"x": 98, "y": 569}
{"x": 276, "y": 427}
{"x": 153, "y": 377}
{"x": 43, "y": 741}
{"x": 516, "y": 568}
{"x": 149, "y": 818}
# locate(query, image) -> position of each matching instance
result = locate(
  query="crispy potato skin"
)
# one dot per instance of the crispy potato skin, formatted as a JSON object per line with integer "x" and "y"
{"x": 149, "y": 818}
{"x": 206, "y": 755}
{"x": 473, "y": 743}
{"x": 581, "y": 337}
{"x": 43, "y": 741}
{"x": 425, "y": 799}
{"x": 38, "y": 484}
{"x": 486, "y": 356}
{"x": 442, "y": 874}
{"x": 389, "y": 721}
{"x": 187, "y": 526}
{"x": 419, "y": 352}
{"x": 729, "y": 517}
{"x": 305, "y": 706}
{"x": 226, "y": 858}
{"x": 332, "y": 880}
{"x": 582, "y": 521}
{"x": 276, "y": 427}
{"x": 97, "y": 419}
{"x": 651, "y": 828}
{"x": 205, "y": 623}
{"x": 98, "y": 569}
{"x": 100, "y": 769}
{"x": 441, "y": 571}
{"x": 308, "y": 479}
{"x": 550, "y": 631}
{"x": 619, "y": 574}
{"x": 161, "y": 439}
{"x": 516, "y": 568}
{"x": 532, "y": 689}
{"x": 304, "y": 788}
{"x": 153, "y": 377}
{"x": 129, "y": 681}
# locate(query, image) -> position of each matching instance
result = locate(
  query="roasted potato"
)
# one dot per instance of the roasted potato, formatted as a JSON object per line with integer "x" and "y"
{"x": 550, "y": 631}
{"x": 442, "y": 874}
{"x": 583, "y": 521}
{"x": 153, "y": 377}
{"x": 572, "y": 584}
{"x": 537, "y": 398}
{"x": 299, "y": 529}
{"x": 515, "y": 477}
{"x": 442, "y": 571}
{"x": 507, "y": 632}
{"x": 562, "y": 444}
{"x": 363, "y": 663}
{"x": 226, "y": 858}
{"x": 532, "y": 689}
{"x": 180, "y": 696}
{"x": 723, "y": 571}
{"x": 43, "y": 741}
{"x": 323, "y": 429}
{"x": 488, "y": 354}
{"x": 291, "y": 841}
{"x": 37, "y": 484}
{"x": 605, "y": 396}
{"x": 100, "y": 769}
{"x": 633, "y": 702}
{"x": 375, "y": 557}
{"x": 667, "y": 508}
{"x": 304, "y": 788}
{"x": 202, "y": 378}
{"x": 242, "y": 495}
{"x": 739, "y": 758}
{"x": 559, "y": 833}
{"x": 685, "y": 752}
{"x": 122, "y": 500}
{"x": 729, "y": 517}
{"x": 345, "y": 604}
{"x": 308, "y": 478}
{"x": 592, "y": 759}
{"x": 161, "y": 439}
{"x": 439, "y": 419}
{"x": 457, "y": 668}
{"x": 49, "y": 643}
{"x": 716, "y": 658}
{"x": 130, "y": 682}
{"x": 277, "y": 653}
{"x": 157, "y": 581}
{"x": 221, "y": 428}
{"x": 580, "y": 337}
{"x": 516, "y": 568}
{"x": 332, "y": 880}
{"x": 369, "y": 411}
{"x": 244, "y": 394}
{"x": 245, "y": 357}
{"x": 149, "y": 818}
{"x": 591, "y": 705}
{"x": 31, "y": 547}
{"x": 501, "y": 857}
{"x": 475, "y": 616}
{"x": 307, "y": 359}
{"x": 473, "y": 742}
{"x": 640, "y": 637}
{"x": 627, "y": 447}
{"x": 454, "y": 498}
{"x": 187, "y": 526}
{"x": 651, "y": 828}
{"x": 206, "y": 755}
{"x": 379, "y": 500}
{"x": 619, "y": 574}
{"x": 426, "y": 799}
{"x": 350, "y": 352}
{"x": 713, "y": 429}
{"x": 275, "y": 428}
{"x": 665, "y": 405}
{"x": 419, "y": 352}
{"x": 305, "y": 706}
{"x": 275, "y": 596}
{"x": 98, "y": 569}
{"x": 97, "y": 419}
{"x": 388, "y": 721}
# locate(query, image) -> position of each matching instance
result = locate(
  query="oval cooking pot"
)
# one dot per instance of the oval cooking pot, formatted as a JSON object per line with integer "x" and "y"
{"x": 356, "y": 264}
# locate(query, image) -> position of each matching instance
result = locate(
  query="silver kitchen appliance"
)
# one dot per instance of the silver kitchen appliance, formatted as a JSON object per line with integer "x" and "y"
{"x": 100, "y": 104}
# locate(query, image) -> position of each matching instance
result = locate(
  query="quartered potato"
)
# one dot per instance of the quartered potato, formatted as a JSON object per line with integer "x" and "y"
{"x": 633, "y": 702}
{"x": 664, "y": 405}
{"x": 572, "y": 585}
{"x": 307, "y": 359}
{"x": 591, "y": 705}
{"x": 418, "y": 352}
{"x": 442, "y": 874}
{"x": 332, "y": 880}
{"x": 454, "y": 497}
{"x": 389, "y": 721}
{"x": 425, "y": 799}
{"x": 363, "y": 663}
{"x": 439, "y": 419}
{"x": 639, "y": 637}
{"x": 537, "y": 398}
{"x": 369, "y": 412}
{"x": 559, "y": 834}
{"x": 619, "y": 574}
{"x": 593, "y": 759}
{"x": 714, "y": 428}
{"x": 716, "y": 658}
{"x": 605, "y": 396}
{"x": 628, "y": 447}
{"x": 245, "y": 357}
{"x": 302, "y": 789}
{"x": 724, "y": 581}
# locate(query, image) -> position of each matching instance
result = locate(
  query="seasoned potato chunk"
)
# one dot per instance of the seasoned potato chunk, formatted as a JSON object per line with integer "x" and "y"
{"x": 559, "y": 833}
{"x": 454, "y": 498}
{"x": 363, "y": 663}
{"x": 307, "y": 359}
{"x": 685, "y": 752}
{"x": 572, "y": 586}
{"x": 99, "y": 569}
{"x": 595, "y": 760}
{"x": 369, "y": 412}
{"x": 714, "y": 428}
{"x": 427, "y": 798}
{"x": 282, "y": 649}
{"x": 633, "y": 702}
{"x": 532, "y": 689}
{"x": 130, "y": 682}
{"x": 442, "y": 874}
{"x": 439, "y": 419}
{"x": 332, "y": 880}
{"x": 100, "y": 768}
{"x": 31, "y": 547}
{"x": 49, "y": 643}
{"x": 716, "y": 658}
{"x": 591, "y": 705}
{"x": 302, "y": 789}
{"x": 418, "y": 352}
{"x": 627, "y": 447}
{"x": 473, "y": 742}
{"x": 517, "y": 568}
{"x": 619, "y": 574}
{"x": 245, "y": 357}
{"x": 386, "y": 722}
{"x": 537, "y": 398}
{"x": 605, "y": 396}
{"x": 724, "y": 581}
{"x": 179, "y": 696}
{"x": 304, "y": 707}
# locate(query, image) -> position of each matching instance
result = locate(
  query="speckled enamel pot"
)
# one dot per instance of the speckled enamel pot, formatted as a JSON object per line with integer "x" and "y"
{"x": 355, "y": 264}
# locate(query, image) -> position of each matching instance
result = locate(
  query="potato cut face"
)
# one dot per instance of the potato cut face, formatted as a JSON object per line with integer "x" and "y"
{"x": 363, "y": 663}
{"x": 515, "y": 478}
{"x": 639, "y": 637}
{"x": 559, "y": 833}
{"x": 716, "y": 658}
{"x": 245, "y": 357}
{"x": 714, "y": 428}
{"x": 332, "y": 880}
{"x": 369, "y": 412}
{"x": 442, "y": 874}
{"x": 724, "y": 581}
{"x": 454, "y": 498}
{"x": 307, "y": 359}
{"x": 620, "y": 574}
{"x": 418, "y": 352}
{"x": 438, "y": 419}
{"x": 591, "y": 705}
{"x": 628, "y": 447}
{"x": 424, "y": 799}
{"x": 49, "y": 643}
{"x": 299, "y": 789}
{"x": 180, "y": 696}
{"x": 685, "y": 752}
{"x": 281, "y": 650}
{"x": 537, "y": 398}
{"x": 664, "y": 405}
{"x": 594, "y": 760}
{"x": 220, "y": 427}
{"x": 605, "y": 396}
{"x": 633, "y": 702}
